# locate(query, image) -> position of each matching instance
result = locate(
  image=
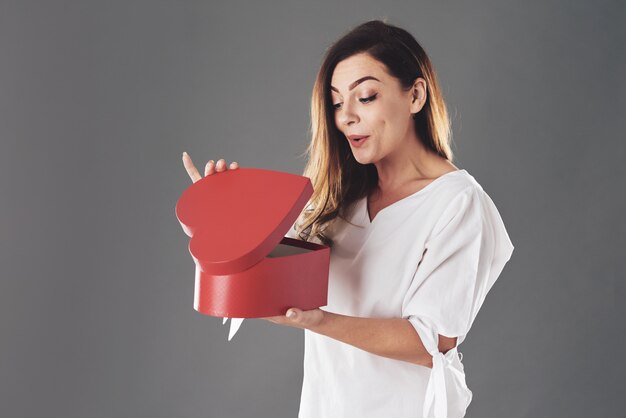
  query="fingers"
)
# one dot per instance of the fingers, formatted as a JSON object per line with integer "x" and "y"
{"x": 191, "y": 169}
{"x": 220, "y": 166}
{"x": 210, "y": 168}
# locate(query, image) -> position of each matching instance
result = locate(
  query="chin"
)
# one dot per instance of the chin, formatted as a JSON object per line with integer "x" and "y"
{"x": 363, "y": 160}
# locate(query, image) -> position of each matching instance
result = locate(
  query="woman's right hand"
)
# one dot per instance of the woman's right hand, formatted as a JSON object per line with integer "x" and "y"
{"x": 210, "y": 168}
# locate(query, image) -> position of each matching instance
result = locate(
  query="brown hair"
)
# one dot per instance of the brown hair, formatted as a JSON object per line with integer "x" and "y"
{"x": 338, "y": 179}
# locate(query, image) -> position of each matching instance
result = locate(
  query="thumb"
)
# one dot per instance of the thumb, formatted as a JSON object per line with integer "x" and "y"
{"x": 294, "y": 314}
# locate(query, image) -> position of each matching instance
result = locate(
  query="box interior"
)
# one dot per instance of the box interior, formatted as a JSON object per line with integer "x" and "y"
{"x": 282, "y": 250}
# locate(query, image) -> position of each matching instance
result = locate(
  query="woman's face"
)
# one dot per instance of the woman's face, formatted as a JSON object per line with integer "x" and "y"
{"x": 376, "y": 107}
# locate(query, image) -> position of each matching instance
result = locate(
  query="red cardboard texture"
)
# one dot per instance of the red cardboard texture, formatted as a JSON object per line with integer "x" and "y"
{"x": 245, "y": 266}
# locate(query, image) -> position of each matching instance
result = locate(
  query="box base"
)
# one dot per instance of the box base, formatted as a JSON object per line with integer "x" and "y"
{"x": 270, "y": 287}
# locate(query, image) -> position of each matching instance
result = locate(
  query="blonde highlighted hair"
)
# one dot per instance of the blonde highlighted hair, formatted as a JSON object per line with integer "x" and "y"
{"x": 338, "y": 179}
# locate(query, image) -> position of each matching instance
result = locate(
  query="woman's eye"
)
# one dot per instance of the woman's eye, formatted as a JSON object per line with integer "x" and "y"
{"x": 364, "y": 100}
{"x": 368, "y": 99}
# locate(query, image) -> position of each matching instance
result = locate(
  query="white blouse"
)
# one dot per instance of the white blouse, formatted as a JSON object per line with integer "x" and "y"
{"x": 431, "y": 258}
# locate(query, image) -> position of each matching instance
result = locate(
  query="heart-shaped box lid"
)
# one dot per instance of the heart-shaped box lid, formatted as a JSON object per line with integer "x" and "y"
{"x": 237, "y": 217}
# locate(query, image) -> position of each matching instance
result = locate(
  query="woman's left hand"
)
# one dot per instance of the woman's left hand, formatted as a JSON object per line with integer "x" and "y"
{"x": 301, "y": 319}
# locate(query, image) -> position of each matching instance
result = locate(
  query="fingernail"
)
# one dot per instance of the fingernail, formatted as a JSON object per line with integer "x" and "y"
{"x": 211, "y": 161}
{"x": 184, "y": 153}
{"x": 291, "y": 314}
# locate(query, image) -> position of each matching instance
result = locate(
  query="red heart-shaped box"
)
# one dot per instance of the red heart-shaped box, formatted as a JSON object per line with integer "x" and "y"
{"x": 245, "y": 266}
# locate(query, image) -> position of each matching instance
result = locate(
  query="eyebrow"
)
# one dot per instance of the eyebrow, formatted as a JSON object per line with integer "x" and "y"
{"x": 356, "y": 83}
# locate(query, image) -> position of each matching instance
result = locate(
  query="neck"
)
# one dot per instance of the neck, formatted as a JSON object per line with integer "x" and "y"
{"x": 410, "y": 162}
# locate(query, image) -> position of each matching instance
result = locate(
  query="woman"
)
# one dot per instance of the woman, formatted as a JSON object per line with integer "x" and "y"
{"x": 416, "y": 242}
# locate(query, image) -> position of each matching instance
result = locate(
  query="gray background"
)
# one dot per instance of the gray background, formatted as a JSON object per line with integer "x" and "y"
{"x": 99, "y": 99}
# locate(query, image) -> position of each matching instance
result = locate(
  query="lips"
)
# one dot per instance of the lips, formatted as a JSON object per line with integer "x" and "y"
{"x": 357, "y": 140}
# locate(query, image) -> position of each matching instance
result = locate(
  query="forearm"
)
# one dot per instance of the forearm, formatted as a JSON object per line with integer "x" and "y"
{"x": 392, "y": 338}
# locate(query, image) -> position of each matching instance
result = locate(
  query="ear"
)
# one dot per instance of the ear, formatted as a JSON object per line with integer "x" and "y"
{"x": 418, "y": 95}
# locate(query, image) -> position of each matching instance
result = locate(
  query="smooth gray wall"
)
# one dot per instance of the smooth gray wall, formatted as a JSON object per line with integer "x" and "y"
{"x": 99, "y": 99}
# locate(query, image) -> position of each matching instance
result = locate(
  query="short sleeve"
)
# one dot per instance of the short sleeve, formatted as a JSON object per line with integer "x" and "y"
{"x": 463, "y": 256}
{"x": 462, "y": 259}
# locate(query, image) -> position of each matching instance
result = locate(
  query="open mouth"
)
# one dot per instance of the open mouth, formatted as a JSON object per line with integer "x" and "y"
{"x": 358, "y": 141}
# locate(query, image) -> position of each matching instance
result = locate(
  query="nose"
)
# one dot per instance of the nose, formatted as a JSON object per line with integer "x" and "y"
{"x": 346, "y": 116}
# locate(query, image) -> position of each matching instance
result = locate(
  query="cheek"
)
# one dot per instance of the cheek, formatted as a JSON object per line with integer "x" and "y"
{"x": 387, "y": 113}
{"x": 383, "y": 122}
{"x": 396, "y": 120}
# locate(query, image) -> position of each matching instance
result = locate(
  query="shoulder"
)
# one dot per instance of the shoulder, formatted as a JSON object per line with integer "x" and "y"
{"x": 455, "y": 188}
{"x": 468, "y": 209}
{"x": 458, "y": 182}
{"x": 461, "y": 198}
